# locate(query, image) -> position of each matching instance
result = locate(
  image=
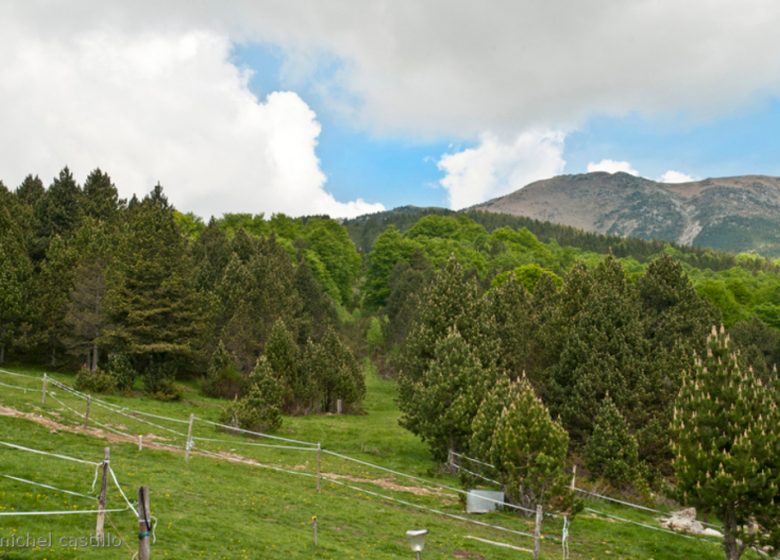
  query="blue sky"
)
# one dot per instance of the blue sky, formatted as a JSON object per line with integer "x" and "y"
{"x": 397, "y": 169}
{"x": 354, "y": 106}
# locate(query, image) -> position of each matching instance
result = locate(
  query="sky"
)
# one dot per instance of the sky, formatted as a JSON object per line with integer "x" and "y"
{"x": 352, "y": 106}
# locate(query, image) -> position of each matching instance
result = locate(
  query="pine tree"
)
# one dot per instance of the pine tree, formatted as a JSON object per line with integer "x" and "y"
{"x": 260, "y": 409}
{"x": 612, "y": 452}
{"x": 283, "y": 356}
{"x": 223, "y": 378}
{"x": 528, "y": 447}
{"x": 30, "y": 191}
{"x": 727, "y": 457}
{"x": 486, "y": 418}
{"x": 100, "y": 198}
{"x": 444, "y": 401}
{"x": 57, "y": 212}
{"x": 155, "y": 309}
{"x": 15, "y": 270}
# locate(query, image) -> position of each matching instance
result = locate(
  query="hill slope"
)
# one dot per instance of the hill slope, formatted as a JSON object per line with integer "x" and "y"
{"x": 732, "y": 213}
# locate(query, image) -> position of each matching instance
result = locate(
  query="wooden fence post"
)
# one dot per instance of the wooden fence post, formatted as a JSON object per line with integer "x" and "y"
{"x": 101, "y": 517}
{"x": 86, "y": 411}
{"x": 573, "y": 477}
{"x": 188, "y": 445}
{"x": 314, "y": 529}
{"x": 43, "y": 388}
{"x": 140, "y": 442}
{"x": 339, "y": 405}
{"x": 538, "y": 531}
{"x": 144, "y": 524}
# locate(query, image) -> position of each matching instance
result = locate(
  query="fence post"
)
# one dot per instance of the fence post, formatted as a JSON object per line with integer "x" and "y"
{"x": 338, "y": 406}
{"x": 101, "y": 517}
{"x": 140, "y": 442}
{"x": 144, "y": 524}
{"x": 188, "y": 445}
{"x": 314, "y": 529}
{"x": 319, "y": 465}
{"x": 43, "y": 388}
{"x": 86, "y": 411}
{"x": 565, "y": 537}
{"x": 573, "y": 477}
{"x": 538, "y": 531}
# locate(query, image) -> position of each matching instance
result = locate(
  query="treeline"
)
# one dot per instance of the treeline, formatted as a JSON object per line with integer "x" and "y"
{"x": 133, "y": 290}
{"x": 365, "y": 229}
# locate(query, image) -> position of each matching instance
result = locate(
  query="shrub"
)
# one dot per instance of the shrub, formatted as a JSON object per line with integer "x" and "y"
{"x": 223, "y": 378}
{"x": 122, "y": 370}
{"x": 159, "y": 382}
{"x": 97, "y": 381}
{"x": 260, "y": 409}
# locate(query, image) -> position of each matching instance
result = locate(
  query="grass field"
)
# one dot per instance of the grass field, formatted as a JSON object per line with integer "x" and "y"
{"x": 234, "y": 505}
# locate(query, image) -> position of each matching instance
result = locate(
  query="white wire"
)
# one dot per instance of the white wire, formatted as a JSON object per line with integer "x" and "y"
{"x": 39, "y": 452}
{"x": 67, "y": 512}
{"x": 431, "y": 485}
{"x": 432, "y": 510}
{"x": 21, "y": 374}
{"x": 486, "y": 479}
{"x": 17, "y": 387}
{"x": 259, "y": 434}
{"x": 646, "y": 526}
{"x": 472, "y": 460}
{"x": 256, "y": 464}
{"x": 122, "y": 492}
{"x": 33, "y": 483}
{"x": 239, "y": 442}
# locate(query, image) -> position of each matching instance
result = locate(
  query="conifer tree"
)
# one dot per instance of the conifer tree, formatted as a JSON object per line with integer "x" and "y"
{"x": 612, "y": 452}
{"x": 484, "y": 423}
{"x": 527, "y": 447}
{"x": 30, "y": 191}
{"x": 57, "y": 212}
{"x": 223, "y": 378}
{"x": 155, "y": 309}
{"x": 727, "y": 457}
{"x": 283, "y": 355}
{"x": 100, "y": 198}
{"x": 444, "y": 401}
{"x": 260, "y": 409}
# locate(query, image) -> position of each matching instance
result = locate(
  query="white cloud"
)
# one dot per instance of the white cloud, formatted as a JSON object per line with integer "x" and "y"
{"x": 673, "y": 176}
{"x": 458, "y": 67}
{"x": 612, "y": 166}
{"x": 494, "y": 168}
{"x": 159, "y": 106}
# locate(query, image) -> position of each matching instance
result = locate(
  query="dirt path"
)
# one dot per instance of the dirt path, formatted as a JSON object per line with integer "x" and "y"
{"x": 153, "y": 441}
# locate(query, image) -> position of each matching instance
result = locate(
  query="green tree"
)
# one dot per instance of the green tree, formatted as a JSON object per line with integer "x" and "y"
{"x": 283, "y": 356}
{"x": 31, "y": 191}
{"x": 223, "y": 378}
{"x": 57, "y": 212}
{"x": 389, "y": 249}
{"x": 155, "y": 309}
{"x": 612, "y": 452}
{"x": 727, "y": 457}
{"x": 258, "y": 410}
{"x": 443, "y": 403}
{"x": 100, "y": 198}
{"x": 527, "y": 447}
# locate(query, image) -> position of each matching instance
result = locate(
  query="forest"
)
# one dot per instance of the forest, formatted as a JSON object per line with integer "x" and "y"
{"x": 526, "y": 345}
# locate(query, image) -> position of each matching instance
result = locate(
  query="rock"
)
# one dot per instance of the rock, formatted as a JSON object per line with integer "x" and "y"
{"x": 684, "y": 521}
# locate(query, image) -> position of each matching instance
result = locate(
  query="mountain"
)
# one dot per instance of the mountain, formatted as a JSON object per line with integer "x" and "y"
{"x": 739, "y": 214}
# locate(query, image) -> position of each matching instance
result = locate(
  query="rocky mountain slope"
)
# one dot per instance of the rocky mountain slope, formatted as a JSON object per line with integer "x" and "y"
{"x": 732, "y": 213}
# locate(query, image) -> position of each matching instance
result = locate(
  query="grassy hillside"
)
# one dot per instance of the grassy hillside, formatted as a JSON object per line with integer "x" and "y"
{"x": 234, "y": 506}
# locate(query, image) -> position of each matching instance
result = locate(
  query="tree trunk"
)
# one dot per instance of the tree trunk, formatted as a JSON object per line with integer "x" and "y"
{"x": 2, "y": 352}
{"x": 94, "y": 365}
{"x": 730, "y": 545}
{"x": 53, "y": 359}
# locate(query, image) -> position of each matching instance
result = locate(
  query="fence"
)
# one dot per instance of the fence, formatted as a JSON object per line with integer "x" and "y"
{"x": 180, "y": 434}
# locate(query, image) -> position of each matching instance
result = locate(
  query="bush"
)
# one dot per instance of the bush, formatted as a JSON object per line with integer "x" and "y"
{"x": 159, "y": 382}
{"x": 122, "y": 370}
{"x": 223, "y": 378}
{"x": 97, "y": 381}
{"x": 260, "y": 409}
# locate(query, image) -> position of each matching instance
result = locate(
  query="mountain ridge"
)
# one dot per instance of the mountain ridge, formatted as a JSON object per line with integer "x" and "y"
{"x": 736, "y": 214}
